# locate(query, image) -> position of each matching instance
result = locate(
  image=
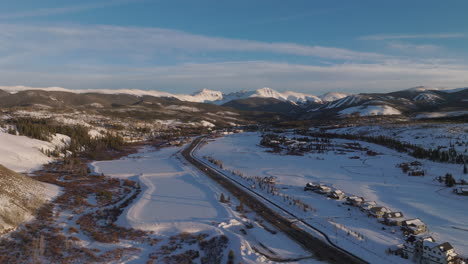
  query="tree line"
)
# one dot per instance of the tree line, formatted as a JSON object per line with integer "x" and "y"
{"x": 449, "y": 156}
{"x": 80, "y": 140}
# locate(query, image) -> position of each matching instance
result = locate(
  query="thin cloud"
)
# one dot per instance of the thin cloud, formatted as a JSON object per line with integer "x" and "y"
{"x": 63, "y": 10}
{"x": 141, "y": 42}
{"x": 414, "y": 36}
{"x": 408, "y": 47}
{"x": 230, "y": 76}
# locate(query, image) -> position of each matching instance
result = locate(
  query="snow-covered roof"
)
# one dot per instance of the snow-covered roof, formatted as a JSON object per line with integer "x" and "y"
{"x": 415, "y": 222}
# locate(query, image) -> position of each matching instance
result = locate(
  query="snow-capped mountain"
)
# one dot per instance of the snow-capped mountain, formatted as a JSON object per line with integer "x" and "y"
{"x": 293, "y": 97}
{"x": 332, "y": 96}
{"x": 428, "y": 97}
{"x": 203, "y": 96}
{"x": 408, "y": 102}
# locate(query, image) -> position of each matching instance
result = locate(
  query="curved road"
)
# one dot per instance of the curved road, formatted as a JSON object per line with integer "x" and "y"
{"x": 327, "y": 251}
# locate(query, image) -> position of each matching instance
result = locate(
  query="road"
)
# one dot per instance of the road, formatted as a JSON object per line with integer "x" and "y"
{"x": 322, "y": 250}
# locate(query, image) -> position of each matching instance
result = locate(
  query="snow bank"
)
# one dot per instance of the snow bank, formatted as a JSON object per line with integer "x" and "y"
{"x": 371, "y": 110}
{"x": 22, "y": 154}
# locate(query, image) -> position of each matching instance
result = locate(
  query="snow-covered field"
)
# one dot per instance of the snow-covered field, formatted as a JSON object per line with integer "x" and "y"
{"x": 376, "y": 178}
{"x": 23, "y": 154}
{"x": 177, "y": 198}
{"x": 424, "y": 135}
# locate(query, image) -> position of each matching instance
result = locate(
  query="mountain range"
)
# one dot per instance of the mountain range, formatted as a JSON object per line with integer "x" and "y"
{"x": 202, "y": 96}
{"x": 417, "y": 102}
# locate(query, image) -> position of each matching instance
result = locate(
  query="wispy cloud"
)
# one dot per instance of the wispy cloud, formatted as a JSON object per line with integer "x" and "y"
{"x": 414, "y": 36}
{"x": 408, "y": 47}
{"x": 63, "y": 10}
{"x": 230, "y": 76}
{"x": 138, "y": 41}
{"x": 85, "y": 57}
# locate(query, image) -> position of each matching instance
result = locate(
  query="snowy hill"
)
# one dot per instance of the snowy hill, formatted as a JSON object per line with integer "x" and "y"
{"x": 23, "y": 154}
{"x": 203, "y": 96}
{"x": 331, "y": 96}
{"x": 370, "y": 110}
{"x": 20, "y": 196}
{"x": 427, "y": 97}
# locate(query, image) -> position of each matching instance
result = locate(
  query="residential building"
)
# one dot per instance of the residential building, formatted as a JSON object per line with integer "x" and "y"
{"x": 378, "y": 211}
{"x": 337, "y": 195}
{"x": 428, "y": 251}
{"x": 413, "y": 226}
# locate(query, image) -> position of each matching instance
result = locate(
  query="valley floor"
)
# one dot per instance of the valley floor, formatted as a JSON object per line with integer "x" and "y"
{"x": 376, "y": 178}
{"x": 177, "y": 198}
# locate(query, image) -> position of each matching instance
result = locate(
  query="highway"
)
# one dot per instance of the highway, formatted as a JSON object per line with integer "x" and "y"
{"x": 324, "y": 250}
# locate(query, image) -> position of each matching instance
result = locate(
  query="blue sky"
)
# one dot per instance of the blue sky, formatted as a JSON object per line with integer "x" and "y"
{"x": 182, "y": 46}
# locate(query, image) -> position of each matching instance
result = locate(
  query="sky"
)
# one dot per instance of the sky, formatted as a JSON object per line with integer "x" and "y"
{"x": 182, "y": 46}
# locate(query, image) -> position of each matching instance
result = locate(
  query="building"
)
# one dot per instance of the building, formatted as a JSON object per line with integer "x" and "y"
{"x": 337, "y": 195}
{"x": 322, "y": 189}
{"x": 270, "y": 179}
{"x": 461, "y": 190}
{"x": 393, "y": 218}
{"x": 310, "y": 186}
{"x": 428, "y": 251}
{"x": 379, "y": 211}
{"x": 366, "y": 206}
{"x": 354, "y": 200}
{"x": 413, "y": 226}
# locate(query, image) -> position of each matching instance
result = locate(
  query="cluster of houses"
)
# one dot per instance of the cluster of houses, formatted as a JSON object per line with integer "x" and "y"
{"x": 412, "y": 169}
{"x": 427, "y": 250}
{"x": 417, "y": 248}
{"x": 385, "y": 215}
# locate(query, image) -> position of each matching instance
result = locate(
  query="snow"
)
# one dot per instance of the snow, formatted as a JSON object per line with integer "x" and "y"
{"x": 371, "y": 110}
{"x": 178, "y": 198}
{"x": 429, "y": 136}
{"x": 332, "y": 96}
{"x": 375, "y": 178}
{"x": 445, "y": 90}
{"x": 301, "y": 97}
{"x": 20, "y": 196}
{"x": 206, "y": 124}
{"x": 427, "y": 97}
{"x": 346, "y": 101}
{"x": 22, "y": 154}
{"x": 15, "y": 89}
{"x": 440, "y": 114}
{"x": 203, "y": 96}
{"x": 183, "y": 108}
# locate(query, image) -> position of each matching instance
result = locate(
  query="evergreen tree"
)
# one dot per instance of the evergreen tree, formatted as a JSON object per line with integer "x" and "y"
{"x": 449, "y": 180}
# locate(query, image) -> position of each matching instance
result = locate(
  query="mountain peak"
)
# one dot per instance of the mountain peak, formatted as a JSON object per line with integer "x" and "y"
{"x": 332, "y": 96}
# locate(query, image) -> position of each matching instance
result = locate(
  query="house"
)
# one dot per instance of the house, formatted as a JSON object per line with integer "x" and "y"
{"x": 393, "y": 218}
{"x": 270, "y": 179}
{"x": 322, "y": 189}
{"x": 461, "y": 190}
{"x": 354, "y": 200}
{"x": 427, "y": 250}
{"x": 393, "y": 215}
{"x": 337, "y": 194}
{"x": 366, "y": 206}
{"x": 413, "y": 226}
{"x": 378, "y": 211}
{"x": 310, "y": 186}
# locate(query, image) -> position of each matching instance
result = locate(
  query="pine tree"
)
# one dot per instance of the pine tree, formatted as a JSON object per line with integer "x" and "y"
{"x": 449, "y": 180}
{"x": 222, "y": 199}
